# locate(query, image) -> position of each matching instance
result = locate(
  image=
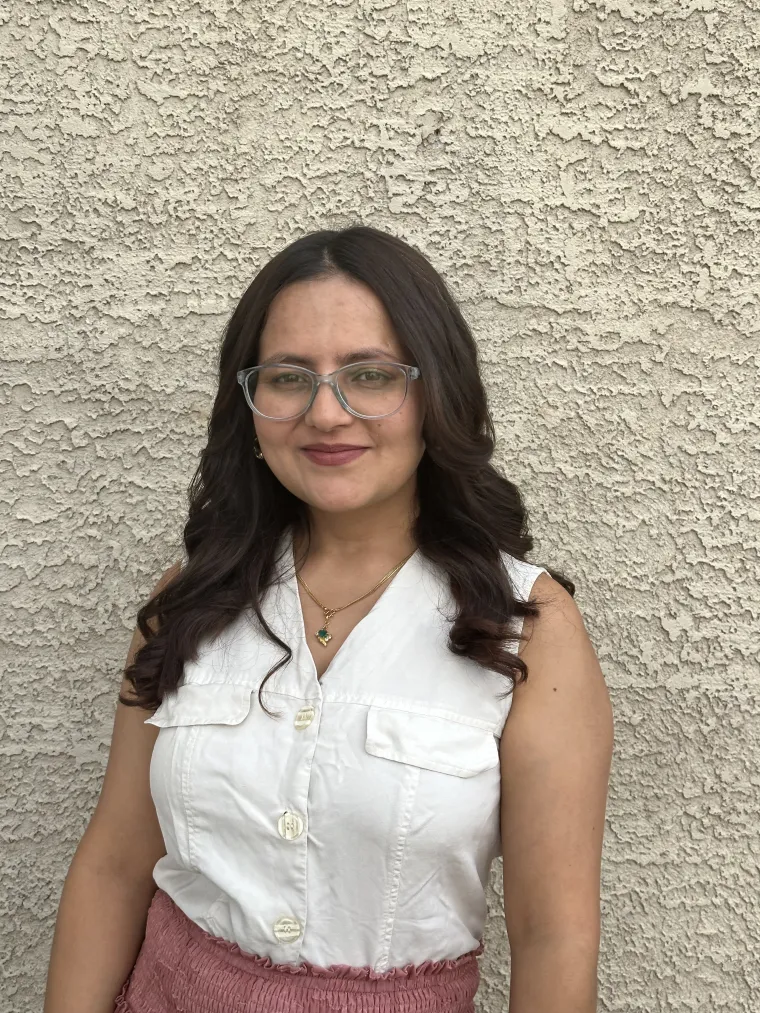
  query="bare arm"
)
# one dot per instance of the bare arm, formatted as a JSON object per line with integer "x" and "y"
{"x": 556, "y": 754}
{"x": 109, "y": 885}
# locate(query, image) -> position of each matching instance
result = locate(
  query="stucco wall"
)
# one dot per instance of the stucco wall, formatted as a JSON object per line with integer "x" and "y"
{"x": 586, "y": 177}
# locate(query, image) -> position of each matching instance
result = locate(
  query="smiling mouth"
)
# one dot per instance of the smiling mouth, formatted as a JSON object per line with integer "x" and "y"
{"x": 333, "y": 456}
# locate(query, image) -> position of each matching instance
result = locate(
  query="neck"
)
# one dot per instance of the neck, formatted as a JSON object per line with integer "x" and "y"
{"x": 378, "y": 531}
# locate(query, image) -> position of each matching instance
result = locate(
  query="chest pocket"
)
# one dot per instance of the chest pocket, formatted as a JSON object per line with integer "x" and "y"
{"x": 430, "y": 741}
{"x": 214, "y": 703}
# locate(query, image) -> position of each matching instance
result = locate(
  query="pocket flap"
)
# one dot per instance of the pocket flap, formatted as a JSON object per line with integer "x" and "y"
{"x": 430, "y": 741}
{"x": 211, "y": 704}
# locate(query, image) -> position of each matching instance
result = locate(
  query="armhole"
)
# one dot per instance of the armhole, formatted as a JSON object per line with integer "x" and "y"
{"x": 523, "y": 576}
{"x": 526, "y": 576}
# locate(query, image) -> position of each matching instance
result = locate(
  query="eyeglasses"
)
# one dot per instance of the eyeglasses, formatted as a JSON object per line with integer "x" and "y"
{"x": 369, "y": 390}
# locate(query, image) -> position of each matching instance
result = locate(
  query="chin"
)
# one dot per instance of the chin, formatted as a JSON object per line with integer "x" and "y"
{"x": 336, "y": 502}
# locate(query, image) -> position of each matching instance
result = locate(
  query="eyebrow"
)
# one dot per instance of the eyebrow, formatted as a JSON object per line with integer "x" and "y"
{"x": 358, "y": 355}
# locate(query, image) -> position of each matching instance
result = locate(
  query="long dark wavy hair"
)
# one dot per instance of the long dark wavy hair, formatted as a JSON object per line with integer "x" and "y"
{"x": 468, "y": 512}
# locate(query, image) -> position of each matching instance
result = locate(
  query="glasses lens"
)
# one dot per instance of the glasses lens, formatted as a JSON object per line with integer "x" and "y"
{"x": 376, "y": 388}
{"x": 279, "y": 392}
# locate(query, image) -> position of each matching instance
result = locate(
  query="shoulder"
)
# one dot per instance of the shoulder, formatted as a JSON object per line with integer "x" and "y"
{"x": 167, "y": 577}
{"x": 564, "y": 674}
{"x": 563, "y": 709}
{"x": 559, "y": 615}
{"x": 558, "y": 629}
{"x": 522, "y": 575}
{"x": 161, "y": 584}
{"x": 557, "y": 606}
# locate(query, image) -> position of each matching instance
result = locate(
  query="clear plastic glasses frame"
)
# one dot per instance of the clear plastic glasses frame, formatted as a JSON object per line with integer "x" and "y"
{"x": 412, "y": 373}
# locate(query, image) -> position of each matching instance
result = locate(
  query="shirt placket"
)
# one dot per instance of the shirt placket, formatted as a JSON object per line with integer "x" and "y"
{"x": 290, "y": 824}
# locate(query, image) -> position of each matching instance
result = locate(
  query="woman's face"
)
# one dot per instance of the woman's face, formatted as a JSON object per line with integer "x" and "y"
{"x": 323, "y": 324}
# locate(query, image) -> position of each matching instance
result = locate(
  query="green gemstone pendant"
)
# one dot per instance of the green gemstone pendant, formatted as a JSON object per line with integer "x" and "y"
{"x": 323, "y": 636}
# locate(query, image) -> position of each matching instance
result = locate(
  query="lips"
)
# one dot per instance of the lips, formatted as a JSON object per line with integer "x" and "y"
{"x": 332, "y": 454}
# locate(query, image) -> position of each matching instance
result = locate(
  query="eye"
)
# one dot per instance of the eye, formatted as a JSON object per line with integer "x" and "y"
{"x": 370, "y": 374}
{"x": 284, "y": 378}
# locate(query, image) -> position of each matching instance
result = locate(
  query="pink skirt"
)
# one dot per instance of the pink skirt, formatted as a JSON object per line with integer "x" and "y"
{"x": 182, "y": 969}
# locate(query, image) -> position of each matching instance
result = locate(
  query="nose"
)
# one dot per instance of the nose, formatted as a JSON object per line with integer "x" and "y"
{"x": 326, "y": 411}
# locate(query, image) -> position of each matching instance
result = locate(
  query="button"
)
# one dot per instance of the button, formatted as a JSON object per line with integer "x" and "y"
{"x": 287, "y": 929}
{"x": 304, "y": 717}
{"x": 290, "y": 825}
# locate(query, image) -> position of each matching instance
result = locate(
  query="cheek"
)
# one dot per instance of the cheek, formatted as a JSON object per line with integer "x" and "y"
{"x": 400, "y": 434}
{"x": 272, "y": 434}
{"x": 415, "y": 418}
{"x": 276, "y": 441}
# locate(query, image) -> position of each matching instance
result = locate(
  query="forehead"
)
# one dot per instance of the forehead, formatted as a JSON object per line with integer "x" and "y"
{"x": 325, "y": 317}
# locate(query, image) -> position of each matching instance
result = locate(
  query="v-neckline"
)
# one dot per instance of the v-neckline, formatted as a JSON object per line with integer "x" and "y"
{"x": 292, "y": 583}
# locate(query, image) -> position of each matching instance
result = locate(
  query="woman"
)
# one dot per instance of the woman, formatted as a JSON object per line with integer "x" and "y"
{"x": 312, "y": 769}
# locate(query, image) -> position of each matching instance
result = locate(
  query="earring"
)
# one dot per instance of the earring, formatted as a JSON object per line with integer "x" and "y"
{"x": 257, "y": 448}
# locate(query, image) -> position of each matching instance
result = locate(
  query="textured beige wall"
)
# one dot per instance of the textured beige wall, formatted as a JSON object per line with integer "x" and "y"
{"x": 585, "y": 175}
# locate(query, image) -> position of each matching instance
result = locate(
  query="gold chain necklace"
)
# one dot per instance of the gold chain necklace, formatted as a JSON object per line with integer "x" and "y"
{"x": 323, "y": 635}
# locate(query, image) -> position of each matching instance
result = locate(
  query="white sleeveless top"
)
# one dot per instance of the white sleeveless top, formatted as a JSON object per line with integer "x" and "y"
{"x": 359, "y": 828}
